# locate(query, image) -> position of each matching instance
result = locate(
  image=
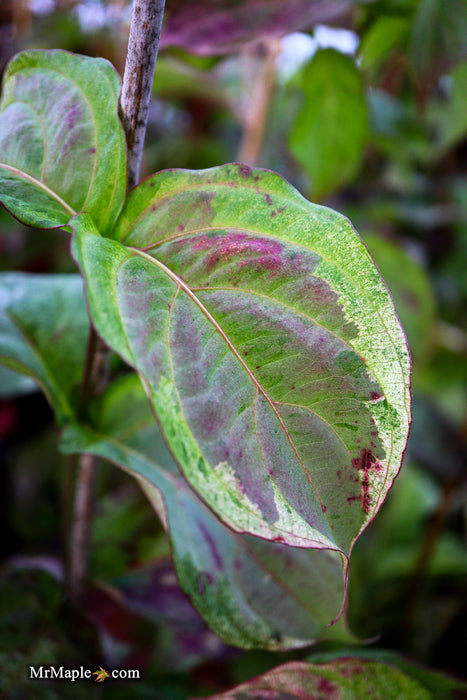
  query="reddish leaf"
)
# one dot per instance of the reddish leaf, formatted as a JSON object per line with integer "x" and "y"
{"x": 206, "y": 27}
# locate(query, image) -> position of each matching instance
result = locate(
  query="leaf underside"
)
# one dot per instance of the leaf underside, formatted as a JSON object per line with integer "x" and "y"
{"x": 267, "y": 342}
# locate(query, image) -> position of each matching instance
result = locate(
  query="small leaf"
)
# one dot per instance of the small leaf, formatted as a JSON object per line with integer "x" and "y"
{"x": 61, "y": 143}
{"x": 206, "y": 28}
{"x": 252, "y": 593}
{"x": 346, "y": 679}
{"x": 331, "y": 127}
{"x": 385, "y": 34}
{"x": 268, "y": 344}
{"x": 43, "y": 329}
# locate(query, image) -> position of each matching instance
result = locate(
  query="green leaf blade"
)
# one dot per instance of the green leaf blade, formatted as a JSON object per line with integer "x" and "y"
{"x": 60, "y": 139}
{"x": 268, "y": 343}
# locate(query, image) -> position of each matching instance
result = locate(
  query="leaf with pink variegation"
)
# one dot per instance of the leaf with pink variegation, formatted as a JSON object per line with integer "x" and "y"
{"x": 347, "y": 679}
{"x": 269, "y": 346}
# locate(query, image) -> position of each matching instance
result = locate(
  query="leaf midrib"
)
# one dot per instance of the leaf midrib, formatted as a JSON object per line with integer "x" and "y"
{"x": 181, "y": 284}
{"x": 40, "y": 185}
{"x": 389, "y": 332}
{"x": 302, "y": 203}
{"x": 299, "y": 201}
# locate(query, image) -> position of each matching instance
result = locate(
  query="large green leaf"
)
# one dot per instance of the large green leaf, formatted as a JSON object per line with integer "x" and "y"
{"x": 252, "y": 593}
{"x": 62, "y": 147}
{"x": 268, "y": 343}
{"x": 43, "y": 329}
{"x": 330, "y": 130}
{"x": 347, "y": 679}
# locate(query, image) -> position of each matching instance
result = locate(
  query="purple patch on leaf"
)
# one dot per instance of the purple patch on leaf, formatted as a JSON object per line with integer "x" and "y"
{"x": 72, "y": 116}
{"x": 215, "y": 554}
{"x": 203, "y": 580}
{"x": 365, "y": 463}
{"x": 244, "y": 171}
{"x": 325, "y": 686}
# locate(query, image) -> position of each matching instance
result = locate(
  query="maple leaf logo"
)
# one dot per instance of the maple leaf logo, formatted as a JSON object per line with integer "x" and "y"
{"x": 101, "y": 675}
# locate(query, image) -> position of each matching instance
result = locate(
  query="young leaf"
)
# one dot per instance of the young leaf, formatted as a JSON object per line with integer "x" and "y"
{"x": 252, "y": 593}
{"x": 43, "y": 329}
{"x": 62, "y": 147}
{"x": 268, "y": 343}
{"x": 345, "y": 679}
{"x": 206, "y": 28}
{"x": 385, "y": 34}
{"x": 330, "y": 130}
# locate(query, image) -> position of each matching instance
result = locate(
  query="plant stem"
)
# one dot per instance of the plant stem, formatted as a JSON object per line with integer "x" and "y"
{"x": 433, "y": 532}
{"x": 254, "y": 124}
{"x": 138, "y": 78}
{"x": 79, "y": 542}
{"x": 80, "y": 477}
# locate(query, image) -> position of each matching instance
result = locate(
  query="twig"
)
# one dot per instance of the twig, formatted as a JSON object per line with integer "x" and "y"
{"x": 138, "y": 78}
{"x": 432, "y": 535}
{"x": 254, "y": 124}
{"x": 80, "y": 477}
{"x": 79, "y": 543}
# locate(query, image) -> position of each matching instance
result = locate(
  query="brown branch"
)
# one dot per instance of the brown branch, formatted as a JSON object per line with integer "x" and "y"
{"x": 432, "y": 535}
{"x": 80, "y": 475}
{"x": 254, "y": 123}
{"x": 80, "y": 536}
{"x": 138, "y": 78}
